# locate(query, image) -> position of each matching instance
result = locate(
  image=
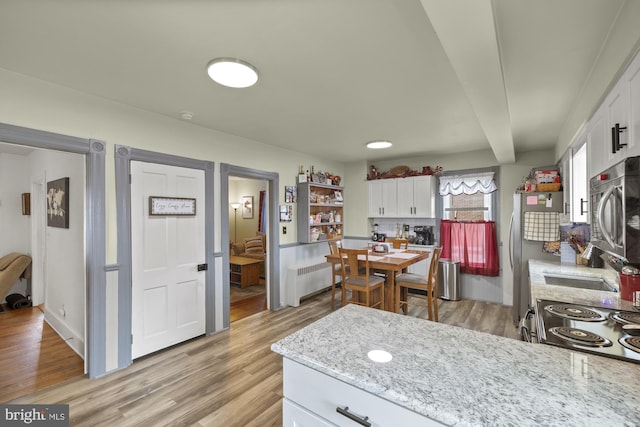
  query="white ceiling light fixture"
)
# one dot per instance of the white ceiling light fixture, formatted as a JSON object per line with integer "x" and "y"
{"x": 232, "y": 72}
{"x": 376, "y": 145}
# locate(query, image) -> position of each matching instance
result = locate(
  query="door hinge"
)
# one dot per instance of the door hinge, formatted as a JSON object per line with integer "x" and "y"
{"x": 131, "y": 338}
{"x": 129, "y": 179}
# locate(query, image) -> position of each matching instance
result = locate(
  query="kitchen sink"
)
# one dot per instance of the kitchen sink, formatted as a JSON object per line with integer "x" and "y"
{"x": 584, "y": 282}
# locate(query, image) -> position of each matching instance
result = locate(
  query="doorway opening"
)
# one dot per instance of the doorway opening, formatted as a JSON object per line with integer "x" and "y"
{"x": 248, "y": 247}
{"x": 78, "y": 327}
{"x": 270, "y": 183}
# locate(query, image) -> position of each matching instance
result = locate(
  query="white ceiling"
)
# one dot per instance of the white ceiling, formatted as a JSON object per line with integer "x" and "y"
{"x": 432, "y": 76}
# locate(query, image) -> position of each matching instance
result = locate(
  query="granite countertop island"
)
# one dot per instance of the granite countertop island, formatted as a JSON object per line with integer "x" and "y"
{"x": 466, "y": 378}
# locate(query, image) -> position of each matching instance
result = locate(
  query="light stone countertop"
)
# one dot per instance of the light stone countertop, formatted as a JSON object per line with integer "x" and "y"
{"x": 466, "y": 378}
{"x": 540, "y": 290}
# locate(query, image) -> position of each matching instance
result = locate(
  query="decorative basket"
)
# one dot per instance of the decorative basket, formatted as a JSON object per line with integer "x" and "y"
{"x": 548, "y": 187}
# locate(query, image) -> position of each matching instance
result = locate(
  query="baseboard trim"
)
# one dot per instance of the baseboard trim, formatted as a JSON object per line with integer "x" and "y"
{"x": 68, "y": 335}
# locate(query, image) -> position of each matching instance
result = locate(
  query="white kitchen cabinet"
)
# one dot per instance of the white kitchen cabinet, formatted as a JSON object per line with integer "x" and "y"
{"x": 313, "y": 398}
{"x": 416, "y": 197}
{"x": 383, "y": 198}
{"x": 616, "y": 110}
{"x": 579, "y": 184}
{"x": 596, "y": 140}
{"x": 632, "y": 76}
{"x": 565, "y": 175}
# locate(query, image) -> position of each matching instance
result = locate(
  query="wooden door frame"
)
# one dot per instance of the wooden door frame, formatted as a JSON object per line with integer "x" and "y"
{"x": 123, "y": 157}
{"x": 95, "y": 236}
{"x": 273, "y": 235}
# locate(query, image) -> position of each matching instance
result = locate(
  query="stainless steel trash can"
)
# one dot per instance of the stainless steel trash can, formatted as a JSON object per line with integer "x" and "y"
{"x": 449, "y": 279}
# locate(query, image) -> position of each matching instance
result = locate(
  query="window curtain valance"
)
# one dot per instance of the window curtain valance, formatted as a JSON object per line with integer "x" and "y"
{"x": 467, "y": 184}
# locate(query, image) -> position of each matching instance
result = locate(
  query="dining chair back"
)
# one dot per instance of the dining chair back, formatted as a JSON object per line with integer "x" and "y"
{"x": 428, "y": 284}
{"x": 397, "y": 243}
{"x": 360, "y": 282}
{"x": 334, "y": 249}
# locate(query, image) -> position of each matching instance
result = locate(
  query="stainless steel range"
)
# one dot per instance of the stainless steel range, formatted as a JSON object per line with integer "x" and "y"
{"x": 589, "y": 329}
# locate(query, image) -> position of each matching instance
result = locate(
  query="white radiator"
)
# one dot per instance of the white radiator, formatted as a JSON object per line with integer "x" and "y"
{"x": 306, "y": 279}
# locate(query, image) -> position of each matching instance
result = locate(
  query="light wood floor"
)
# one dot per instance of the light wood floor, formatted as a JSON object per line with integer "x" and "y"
{"x": 32, "y": 354}
{"x": 229, "y": 379}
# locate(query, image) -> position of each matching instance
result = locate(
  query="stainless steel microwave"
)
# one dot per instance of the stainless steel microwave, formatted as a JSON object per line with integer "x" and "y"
{"x": 615, "y": 210}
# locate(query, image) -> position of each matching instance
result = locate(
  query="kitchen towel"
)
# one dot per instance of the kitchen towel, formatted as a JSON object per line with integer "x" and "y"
{"x": 542, "y": 226}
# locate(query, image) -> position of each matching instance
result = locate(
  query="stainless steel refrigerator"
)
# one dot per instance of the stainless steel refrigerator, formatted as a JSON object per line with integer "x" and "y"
{"x": 522, "y": 250}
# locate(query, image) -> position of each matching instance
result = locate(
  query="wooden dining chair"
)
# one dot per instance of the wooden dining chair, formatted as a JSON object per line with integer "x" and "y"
{"x": 397, "y": 243}
{"x": 428, "y": 284}
{"x": 334, "y": 249}
{"x": 360, "y": 281}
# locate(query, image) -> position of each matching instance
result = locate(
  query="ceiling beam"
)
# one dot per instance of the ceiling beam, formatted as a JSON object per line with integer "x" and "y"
{"x": 467, "y": 31}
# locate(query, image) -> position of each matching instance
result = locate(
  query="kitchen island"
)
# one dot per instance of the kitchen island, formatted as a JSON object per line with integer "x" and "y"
{"x": 448, "y": 375}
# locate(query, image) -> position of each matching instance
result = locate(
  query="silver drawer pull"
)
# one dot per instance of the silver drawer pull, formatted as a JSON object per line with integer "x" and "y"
{"x": 346, "y": 413}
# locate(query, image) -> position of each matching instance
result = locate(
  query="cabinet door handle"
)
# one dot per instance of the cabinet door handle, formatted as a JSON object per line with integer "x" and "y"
{"x": 615, "y": 137}
{"x": 345, "y": 411}
{"x": 582, "y": 202}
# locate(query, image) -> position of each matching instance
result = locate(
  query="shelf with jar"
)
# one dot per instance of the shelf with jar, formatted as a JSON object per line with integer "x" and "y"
{"x": 320, "y": 208}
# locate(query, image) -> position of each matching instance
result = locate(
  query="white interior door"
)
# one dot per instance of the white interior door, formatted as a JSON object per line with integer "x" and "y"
{"x": 168, "y": 291}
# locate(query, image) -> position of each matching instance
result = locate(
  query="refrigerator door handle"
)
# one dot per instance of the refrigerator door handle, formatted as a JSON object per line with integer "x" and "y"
{"x": 511, "y": 241}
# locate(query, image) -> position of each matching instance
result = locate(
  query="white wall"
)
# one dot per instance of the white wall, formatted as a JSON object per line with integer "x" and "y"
{"x": 40, "y": 105}
{"x": 65, "y": 275}
{"x": 247, "y": 227}
{"x": 15, "y": 230}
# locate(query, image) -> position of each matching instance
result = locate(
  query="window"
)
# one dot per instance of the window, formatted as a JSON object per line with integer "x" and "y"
{"x": 467, "y": 228}
{"x": 469, "y": 197}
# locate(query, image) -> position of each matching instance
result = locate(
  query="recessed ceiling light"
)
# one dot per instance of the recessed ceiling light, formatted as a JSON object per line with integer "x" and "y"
{"x": 379, "y": 144}
{"x": 232, "y": 72}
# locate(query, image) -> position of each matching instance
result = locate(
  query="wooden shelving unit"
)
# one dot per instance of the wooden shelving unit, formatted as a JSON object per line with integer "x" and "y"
{"x": 320, "y": 212}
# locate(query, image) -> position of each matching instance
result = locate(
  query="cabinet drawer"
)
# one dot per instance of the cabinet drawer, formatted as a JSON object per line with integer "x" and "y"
{"x": 296, "y": 416}
{"x": 322, "y": 395}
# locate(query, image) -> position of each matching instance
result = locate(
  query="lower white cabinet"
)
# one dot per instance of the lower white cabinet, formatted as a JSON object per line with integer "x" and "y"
{"x": 316, "y": 399}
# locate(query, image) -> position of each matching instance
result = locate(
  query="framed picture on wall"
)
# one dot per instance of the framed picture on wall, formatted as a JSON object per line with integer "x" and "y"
{"x": 286, "y": 213}
{"x": 290, "y": 194}
{"x": 247, "y": 206}
{"x": 58, "y": 203}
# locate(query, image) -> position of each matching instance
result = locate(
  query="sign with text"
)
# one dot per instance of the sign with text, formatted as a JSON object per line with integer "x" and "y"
{"x": 171, "y": 206}
{"x": 34, "y": 415}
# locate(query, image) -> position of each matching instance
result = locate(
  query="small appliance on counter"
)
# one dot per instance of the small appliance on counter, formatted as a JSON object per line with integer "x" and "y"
{"x": 424, "y": 235}
{"x": 379, "y": 237}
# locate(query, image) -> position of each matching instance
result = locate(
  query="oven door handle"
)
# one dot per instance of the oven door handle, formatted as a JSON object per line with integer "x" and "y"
{"x": 525, "y": 331}
{"x": 601, "y": 206}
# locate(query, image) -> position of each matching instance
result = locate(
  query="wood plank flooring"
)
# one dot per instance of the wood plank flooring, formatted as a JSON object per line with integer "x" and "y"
{"x": 32, "y": 354}
{"x": 229, "y": 379}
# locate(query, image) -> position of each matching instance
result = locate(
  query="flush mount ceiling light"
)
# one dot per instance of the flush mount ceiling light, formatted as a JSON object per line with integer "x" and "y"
{"x": 232, "y": 72}
{"x": 376, "y": 145}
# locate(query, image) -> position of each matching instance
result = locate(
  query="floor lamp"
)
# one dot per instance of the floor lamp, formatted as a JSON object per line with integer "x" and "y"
{"x": 235, "y": 207}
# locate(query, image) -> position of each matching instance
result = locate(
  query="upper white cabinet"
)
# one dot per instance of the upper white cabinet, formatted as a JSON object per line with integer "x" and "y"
{"x": 596, "y": 140}
{"x": 565, "y": 175}
{"x": 633, "y": 78}
{"x": 383, "y": 198}
{"x": 412, "y": 197}
{"x": 416, "y": 197}
{"x": 613, "y": 133}
{"x": 579, "y": 184}
{"x": 616, "y": 110}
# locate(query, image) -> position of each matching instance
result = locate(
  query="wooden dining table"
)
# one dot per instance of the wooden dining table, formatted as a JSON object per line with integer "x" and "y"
{"x": 397, "y": 260}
